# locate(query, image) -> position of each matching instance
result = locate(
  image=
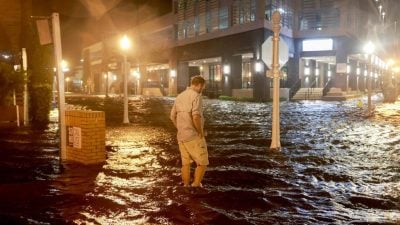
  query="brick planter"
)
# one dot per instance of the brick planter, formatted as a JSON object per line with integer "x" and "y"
{"x": 85, "y": 136}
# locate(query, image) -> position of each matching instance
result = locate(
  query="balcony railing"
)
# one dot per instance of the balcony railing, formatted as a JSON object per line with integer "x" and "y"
{"x": 339, "y": 21}
{"x": 319, "y": 19}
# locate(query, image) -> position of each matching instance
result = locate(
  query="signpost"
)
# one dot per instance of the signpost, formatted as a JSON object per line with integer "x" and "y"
{"x": 46, "y": 38}
{"x": 25, "y": 69}
{"x": 274, "y": 61}
{"x": 60, "y": 80}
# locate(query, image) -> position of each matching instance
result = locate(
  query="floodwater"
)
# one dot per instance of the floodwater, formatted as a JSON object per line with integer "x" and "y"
{"x": 336, "y": 167}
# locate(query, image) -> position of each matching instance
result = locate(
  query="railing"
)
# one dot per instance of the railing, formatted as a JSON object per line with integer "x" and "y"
{"x": 310, "y": 90}
{"x": 327, "y": 87}
{"x": 294, "y": 89}
{"x": 212, "y": 90}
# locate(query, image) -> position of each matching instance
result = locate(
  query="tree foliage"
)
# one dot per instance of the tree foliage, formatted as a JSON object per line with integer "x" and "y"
{"x": 40, "y": 79}
{"x": 10, "y": 81}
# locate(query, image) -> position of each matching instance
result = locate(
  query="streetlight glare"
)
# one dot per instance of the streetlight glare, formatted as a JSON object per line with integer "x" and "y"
{"x": 125, "y": 43}
{"x": 369, "y": 48}
{"x": 64, "y": 66}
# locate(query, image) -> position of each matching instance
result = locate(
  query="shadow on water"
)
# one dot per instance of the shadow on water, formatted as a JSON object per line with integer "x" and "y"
{"x": 335, "y": 167}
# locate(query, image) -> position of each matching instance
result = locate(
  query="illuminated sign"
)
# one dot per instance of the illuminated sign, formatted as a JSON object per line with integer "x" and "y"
{"x": 318, "y": 45}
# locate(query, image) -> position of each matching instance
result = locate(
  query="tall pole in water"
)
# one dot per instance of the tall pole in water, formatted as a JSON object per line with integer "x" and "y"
{"x": 276, "y": 27}
{"x": 60, "y": 80}
{"x": 25, "y": 69}
{"x": 369, "y": 49}
{"x": 125, "y": 71}
{"x": 370, "y": 75}
{"x": 125, "y": 45}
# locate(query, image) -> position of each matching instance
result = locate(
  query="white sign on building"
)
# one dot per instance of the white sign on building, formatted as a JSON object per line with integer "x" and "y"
{"x": 74, "y": 137}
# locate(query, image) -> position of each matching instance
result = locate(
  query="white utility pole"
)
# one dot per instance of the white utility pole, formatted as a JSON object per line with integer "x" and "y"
{"x": 60, "y": 76}
{"x": 24, "y": 70}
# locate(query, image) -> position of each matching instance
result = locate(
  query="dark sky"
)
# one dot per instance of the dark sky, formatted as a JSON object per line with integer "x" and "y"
{"x": 85, "y": 22}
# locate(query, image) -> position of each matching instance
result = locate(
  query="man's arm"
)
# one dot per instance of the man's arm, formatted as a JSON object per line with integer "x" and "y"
{"x": 197, "y": 124}
{"x": 173, "y": 115}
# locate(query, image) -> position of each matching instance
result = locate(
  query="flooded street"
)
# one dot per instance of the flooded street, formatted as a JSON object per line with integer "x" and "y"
{"x": 335, "y": 167}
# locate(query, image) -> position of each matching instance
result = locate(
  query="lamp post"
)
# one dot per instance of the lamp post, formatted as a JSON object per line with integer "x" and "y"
{"x": 369, "y": 50}
{"x": 276, "y": 136}
{"x": 125, "y": 45}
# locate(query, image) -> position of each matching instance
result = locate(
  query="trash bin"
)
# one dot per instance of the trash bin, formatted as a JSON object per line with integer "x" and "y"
{"x": 85, "y": 136}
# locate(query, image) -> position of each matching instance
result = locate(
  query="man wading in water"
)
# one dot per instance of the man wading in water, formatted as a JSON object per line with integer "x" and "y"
{"x": 187, "y": 116}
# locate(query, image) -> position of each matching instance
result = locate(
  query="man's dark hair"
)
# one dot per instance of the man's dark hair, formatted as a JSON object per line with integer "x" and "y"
{"x": 196, "y": 80}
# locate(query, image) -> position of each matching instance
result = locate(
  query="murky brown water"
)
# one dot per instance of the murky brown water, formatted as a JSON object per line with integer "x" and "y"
{"x": 336, "y": 167}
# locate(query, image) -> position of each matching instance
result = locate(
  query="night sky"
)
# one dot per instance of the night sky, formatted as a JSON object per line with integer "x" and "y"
{"x": 85, "y": 22}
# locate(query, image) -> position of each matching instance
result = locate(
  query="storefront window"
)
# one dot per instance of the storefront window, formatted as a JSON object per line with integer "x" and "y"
{"x": 247, "y": 75}
{"x": 214, "y": 77}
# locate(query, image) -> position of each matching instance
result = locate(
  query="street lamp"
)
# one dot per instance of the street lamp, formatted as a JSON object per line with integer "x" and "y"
{"x": 125, "y": 45}
{"x": 369, "y": 49}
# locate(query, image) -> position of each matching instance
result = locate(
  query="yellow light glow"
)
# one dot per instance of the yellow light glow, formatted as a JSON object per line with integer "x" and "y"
{"x": 125, "y": 43}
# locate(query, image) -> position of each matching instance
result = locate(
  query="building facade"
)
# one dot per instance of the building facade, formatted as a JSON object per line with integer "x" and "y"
{"x": 221, "y": 40}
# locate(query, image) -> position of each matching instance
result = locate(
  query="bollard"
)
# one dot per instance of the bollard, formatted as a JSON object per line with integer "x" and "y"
{"x": 85, "y": 136}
